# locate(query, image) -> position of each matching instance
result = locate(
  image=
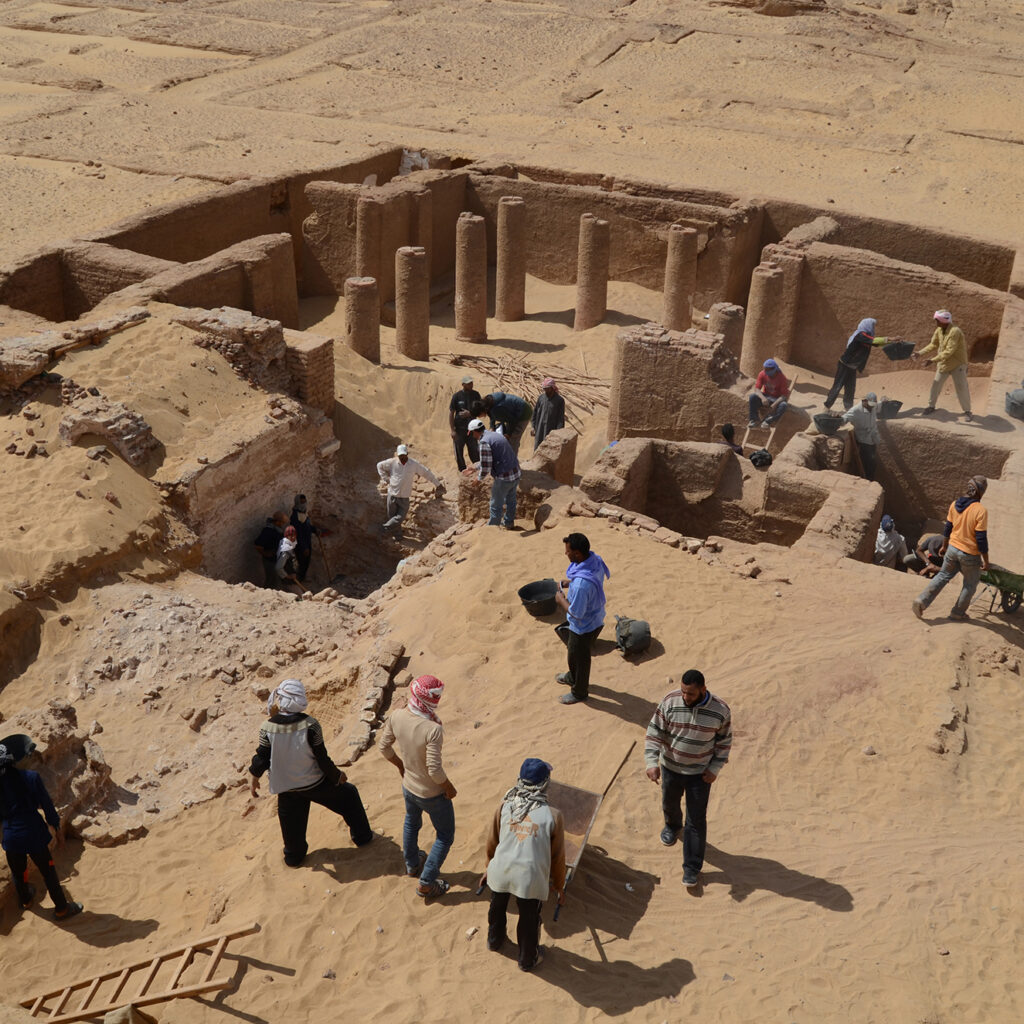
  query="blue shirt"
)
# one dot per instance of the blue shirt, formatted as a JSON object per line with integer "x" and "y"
{"x": 586, "y": 605}
{"x": 21, "y": 793}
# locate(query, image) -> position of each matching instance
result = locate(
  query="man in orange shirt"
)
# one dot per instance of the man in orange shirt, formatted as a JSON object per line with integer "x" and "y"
{"x": 965, "y": 549}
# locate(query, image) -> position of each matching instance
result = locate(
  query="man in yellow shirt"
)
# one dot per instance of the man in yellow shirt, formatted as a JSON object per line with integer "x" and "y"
{"x": 950, "y": 360}
{"x": 965, "y": 549}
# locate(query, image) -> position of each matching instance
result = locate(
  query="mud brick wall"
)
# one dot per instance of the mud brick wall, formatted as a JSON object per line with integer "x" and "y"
{"x": 841, "y": 286}
{"x": 92, "y": 270}
{"x": 310, "y": 361}
{"x": 35, "y": 284}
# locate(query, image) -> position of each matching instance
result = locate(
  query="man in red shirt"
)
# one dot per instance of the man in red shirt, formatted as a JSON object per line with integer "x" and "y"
{"x": 769, "y": 395}
{"x": 965, "y": 548}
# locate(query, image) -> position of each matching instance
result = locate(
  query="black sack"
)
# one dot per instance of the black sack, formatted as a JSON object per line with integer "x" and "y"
{"x": 631, "y": 635}
{"x": 762, "y": 458}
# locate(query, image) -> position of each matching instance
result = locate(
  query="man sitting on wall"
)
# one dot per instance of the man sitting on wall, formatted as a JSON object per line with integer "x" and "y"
{"x": 769, "y": 395}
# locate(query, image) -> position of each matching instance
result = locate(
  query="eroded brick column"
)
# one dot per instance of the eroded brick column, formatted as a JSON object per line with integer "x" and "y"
{"x": 760, "y": 332}
{"x": 470, "y": 278}
{"x": 680, "y": 277}
{"x": 592, "y": 272}
{"x": 362, "y": 317}
{"x": 412, "y": 302}
{"x": 510, "y": 292}
{"x": 727, "y": 319}
{"x": 369, "y": 221}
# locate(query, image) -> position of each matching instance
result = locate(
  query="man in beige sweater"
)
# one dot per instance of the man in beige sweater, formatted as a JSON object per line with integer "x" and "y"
{"x": 419, "y": 734}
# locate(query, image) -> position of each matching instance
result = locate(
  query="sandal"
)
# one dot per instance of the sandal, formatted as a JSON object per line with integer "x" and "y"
{"x": 438, "y": 887}
{"x": 415, "y": 872}
{"x": 27, "y": 902}
{"x": 69, "y": 911}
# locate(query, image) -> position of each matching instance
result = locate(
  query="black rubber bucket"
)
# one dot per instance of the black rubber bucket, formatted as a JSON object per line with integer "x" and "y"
{"x": 539, "y": 598}
{"x": 888, "y": 408}
{"x": 897, "y": 350}
{"x": 828, "y": 423}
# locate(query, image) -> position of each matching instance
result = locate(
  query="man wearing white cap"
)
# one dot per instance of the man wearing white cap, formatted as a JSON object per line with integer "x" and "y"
{"x": 460, "y": 412}
{"x": 865, "y": 431}
{"x": 399, "y": 473}
{"x": 498, "y": 460}
{"x": 950, "y": 360}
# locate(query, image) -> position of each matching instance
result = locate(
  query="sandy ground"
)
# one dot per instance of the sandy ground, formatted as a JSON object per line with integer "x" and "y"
{"x": 841, "y": 884}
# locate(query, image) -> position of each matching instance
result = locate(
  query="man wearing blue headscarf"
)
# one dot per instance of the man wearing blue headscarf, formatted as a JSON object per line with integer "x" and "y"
{"x": 581, "y": 597}
{"x": 853, "y": 360}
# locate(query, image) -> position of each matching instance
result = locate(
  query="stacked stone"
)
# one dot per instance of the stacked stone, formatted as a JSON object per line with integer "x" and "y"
{"x": 125, "y": 431}
{"x": 310, "y": 361}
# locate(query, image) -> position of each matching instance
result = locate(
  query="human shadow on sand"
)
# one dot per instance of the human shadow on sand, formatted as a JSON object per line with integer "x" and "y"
{"x": 242, "y": 965}
{"x": 745, "y": 875}
{"x": 359, "y": 863}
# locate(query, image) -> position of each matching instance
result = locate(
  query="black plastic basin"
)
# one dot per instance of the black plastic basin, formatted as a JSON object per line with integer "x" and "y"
{"x": 539, "y": 598}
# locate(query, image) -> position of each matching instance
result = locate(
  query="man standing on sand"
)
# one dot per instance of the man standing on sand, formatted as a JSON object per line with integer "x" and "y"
{"x": 425, "y": 786}
{"x": 950, "y": 360}
{"x": 687, "y": 745}
{"x": 460, "y": 412}
{"x": 548, "y": 413}
{"x": 581, "y": 596}
{"x": 853, "y": 360}
{"x": 499, "y": 461}
{"x": 965, "y": 550}
{"x": 398, "y": 474}
{"x": 267, "y": 544}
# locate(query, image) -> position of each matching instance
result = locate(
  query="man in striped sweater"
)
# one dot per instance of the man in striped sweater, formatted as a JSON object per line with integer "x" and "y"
{"x": 687, "y": 744}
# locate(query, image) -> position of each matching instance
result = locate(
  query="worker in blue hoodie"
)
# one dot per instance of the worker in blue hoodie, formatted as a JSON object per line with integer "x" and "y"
{"x": 25, "y": 833}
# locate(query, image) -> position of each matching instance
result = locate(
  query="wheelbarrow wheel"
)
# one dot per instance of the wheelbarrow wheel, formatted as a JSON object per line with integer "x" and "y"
{"x": 1011, "y": 601}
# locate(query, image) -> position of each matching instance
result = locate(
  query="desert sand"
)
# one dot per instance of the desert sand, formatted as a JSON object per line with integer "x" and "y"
{"x": 865, "y": 838}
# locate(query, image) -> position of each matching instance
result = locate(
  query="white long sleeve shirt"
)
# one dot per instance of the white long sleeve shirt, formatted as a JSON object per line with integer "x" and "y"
{"x": 865, "y": 423}
{"x": 400, "y": 478}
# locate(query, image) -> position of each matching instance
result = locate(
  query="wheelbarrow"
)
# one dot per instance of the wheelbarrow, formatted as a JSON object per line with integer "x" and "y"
{"x": 1006, "y": 585}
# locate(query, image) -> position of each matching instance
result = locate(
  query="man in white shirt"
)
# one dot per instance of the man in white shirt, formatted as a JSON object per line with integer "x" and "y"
{"x": 864, "y": 418}
{"x": 399, "y": 473}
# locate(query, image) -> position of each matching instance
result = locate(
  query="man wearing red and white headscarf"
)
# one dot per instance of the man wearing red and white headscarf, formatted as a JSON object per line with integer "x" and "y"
{"x": 418, "y": 731}
{"x": 950, "y": 360}
{"x": 548, "y": 413}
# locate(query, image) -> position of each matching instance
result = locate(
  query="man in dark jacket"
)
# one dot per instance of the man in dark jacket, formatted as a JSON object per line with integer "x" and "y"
{"x": 460, "y": 412}
{"x": 548, "y": 413}
{"x": 853, "y": 360}
{"x": 267, "y": 544}
{"x": 510, "y": 412}
{"x": 304, "y": 530}
{"x": 25, "y": 835}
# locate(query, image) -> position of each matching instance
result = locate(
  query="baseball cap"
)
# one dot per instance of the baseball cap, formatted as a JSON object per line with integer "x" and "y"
{"x": 535, "y": 770}
{"x": 475, "y": 425}
{"x": 467, "y": 380}
{"x": 401, "y": 450}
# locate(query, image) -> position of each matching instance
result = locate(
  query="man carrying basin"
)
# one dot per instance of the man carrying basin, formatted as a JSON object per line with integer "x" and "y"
{"x": 581, "y": 597}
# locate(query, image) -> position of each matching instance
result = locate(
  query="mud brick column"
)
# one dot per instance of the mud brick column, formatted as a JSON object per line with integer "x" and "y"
{"x": 510, "y": 293}
{"x": 362, "y": 317}
{"x": 412, "y": 302}
{"x": 680, "y": 277}
{"x": 728, "y": 320}
{"x": 760, "y": 332}
{"x": 369, "y": 228}
{"x": 470, "y": 278}
{"x": 592, "y": 272}
{"x": 423, "y": 223}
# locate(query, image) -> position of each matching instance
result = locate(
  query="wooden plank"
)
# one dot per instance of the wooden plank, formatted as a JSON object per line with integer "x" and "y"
{"x": 181, "y": 993}
{"x": 96, "y": 982}
{"x": 150, "y": 975}
{"x": 125, "y": 974}
{"x": 35, "y": 1003}
{"x": 60, "y": 1002}
{"x": 186, "y": 959}
{"x": 218, "y": 952}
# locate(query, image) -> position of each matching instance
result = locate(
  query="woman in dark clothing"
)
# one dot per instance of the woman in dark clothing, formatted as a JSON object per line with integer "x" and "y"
{"x": 301, "y": 772}
{"x": 853, "y": 360}
{"x": 25, "y": 835}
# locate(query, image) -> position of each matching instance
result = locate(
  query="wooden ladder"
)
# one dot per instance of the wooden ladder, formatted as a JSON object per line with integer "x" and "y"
{"x": 111, "y": 996}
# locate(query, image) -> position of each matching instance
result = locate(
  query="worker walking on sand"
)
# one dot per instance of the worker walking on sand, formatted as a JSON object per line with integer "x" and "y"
{"x": 950, "y": 360}
{"x": 525, "y": 859}
{"x": 25, "y": 833}
{"x": 581, "y": 596}
{"x": 418, "y": 731}
{"x": 291, "y": 747}
{"x": 965, "y": 549}
{"x": 853, "y": 360}
{"x": 398, "y": 474}
{"x": 687, "y": 745}
{"x": 548, "y": 413}
{"x": 499, "y": 461}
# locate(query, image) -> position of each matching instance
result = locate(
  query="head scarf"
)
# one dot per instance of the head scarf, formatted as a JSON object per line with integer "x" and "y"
{"x": 286, "y": 545}
{"x": 424, "y": 696}
{"x": 943, "y": 316}
{"x": 887, "y": 523}
{"x": 549, "y": 382}
{"x": 866, "y": 326}
{"x": 525, "y": 795}
{"x": 976, "y": 486}
{"x": 591, "y": 568}
{"x": 290, "y": 698}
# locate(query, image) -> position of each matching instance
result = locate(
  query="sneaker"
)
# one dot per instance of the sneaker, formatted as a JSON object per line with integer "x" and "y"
{"x": 969, "y": 417}
{"x": 752, "y": 425}
{"x": 495, "y": 944}
{"x": 27, "y": 902}
{"x": 571, "y": 698}
{"x": 564, "y": 678}
{"x": 917, "y": 608}
{"x": 69, "y": 911}
{"x": 959, "y": 616}
{"x": 669, "y": 836}
{"x": 537, "y": 961}
{"x": 929, "y": 410}
{"x": 765, "y": 424}
{"x": 438, "y": 887}
{"x": 689, "y": 877}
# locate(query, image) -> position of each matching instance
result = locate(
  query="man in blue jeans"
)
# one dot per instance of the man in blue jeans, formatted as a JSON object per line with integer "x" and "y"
{"x": 425, "y": 786}
{"x": 687, "y": 745}
{"x": 499, "y": 461}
